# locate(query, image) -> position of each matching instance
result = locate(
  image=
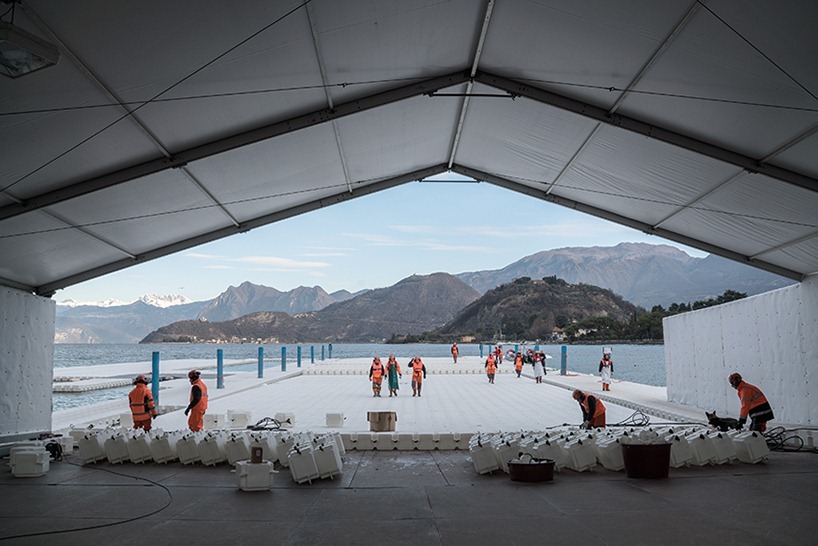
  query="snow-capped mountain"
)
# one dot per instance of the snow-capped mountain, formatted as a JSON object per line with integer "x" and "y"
{"x": 156, "y": 300}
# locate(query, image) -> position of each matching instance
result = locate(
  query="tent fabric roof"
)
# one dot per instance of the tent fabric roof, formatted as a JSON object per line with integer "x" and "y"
{"x": 169, "y": 124}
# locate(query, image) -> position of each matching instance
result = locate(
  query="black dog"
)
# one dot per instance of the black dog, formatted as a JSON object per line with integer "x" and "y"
{"x": 722, "y": 423}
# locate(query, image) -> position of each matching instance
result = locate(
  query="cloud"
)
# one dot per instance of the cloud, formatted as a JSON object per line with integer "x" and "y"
{"x": 574, "y": 229}
{"x": 203, "y": 256}
{"x": 280, "y": 264}
{"x": 216, "y": 266}
{"x": 323, "y": 254}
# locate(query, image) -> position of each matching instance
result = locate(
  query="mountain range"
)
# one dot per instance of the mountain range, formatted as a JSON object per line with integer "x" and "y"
{"x": 413, "y": 305}
{"x": 643, "y": 274}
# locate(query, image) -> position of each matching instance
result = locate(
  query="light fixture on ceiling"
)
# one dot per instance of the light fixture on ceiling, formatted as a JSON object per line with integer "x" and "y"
{"x": 22, "y": 53}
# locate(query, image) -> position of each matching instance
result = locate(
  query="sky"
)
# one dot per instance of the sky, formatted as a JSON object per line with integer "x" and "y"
{"x": 371, "y": 242}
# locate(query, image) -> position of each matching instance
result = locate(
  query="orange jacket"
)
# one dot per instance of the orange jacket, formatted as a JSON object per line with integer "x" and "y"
{"x": 491, "y": 364}
{"x": 455, "y": 350}
{"x": 141, "y": 401}
{"x": 202, "y": 404}
{"x": 599, "y": 407}
{"x": 750, "y": 396}
{"x": 518, "y": 362}
{"x": 376, "y": 371}
{"x": 418, "y": 369}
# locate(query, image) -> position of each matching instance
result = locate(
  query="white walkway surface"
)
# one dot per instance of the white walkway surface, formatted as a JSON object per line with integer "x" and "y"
{"x": 456, "y": 397}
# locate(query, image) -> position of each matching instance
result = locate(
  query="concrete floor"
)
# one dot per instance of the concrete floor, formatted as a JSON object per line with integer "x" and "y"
{"x": 391, "y": 497}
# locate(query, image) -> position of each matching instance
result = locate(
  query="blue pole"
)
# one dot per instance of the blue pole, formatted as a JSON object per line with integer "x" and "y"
{"x": 330, "y": 351}
{"x": 312, "y": 354}
{"x": 155, "y": 378}
{"x": 537, "y": 348}
{"x": 516, "y": 349}
{"x": 298, "y": 353}
{"x": 284, "y": 359}
{"x": 564, "y": 360}
{"x": 481, "y": 350}
{"x": 260, "y": 362}
{"x": 322, "y": 352}
{"x": 220, "y": 368}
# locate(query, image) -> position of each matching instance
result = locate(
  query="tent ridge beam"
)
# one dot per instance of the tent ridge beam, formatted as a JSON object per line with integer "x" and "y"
{"x": 625, "y": 221}
{"x": 345, "y": 195}
{"x": 750, "y": 164}
{"x": 182, "y": 158}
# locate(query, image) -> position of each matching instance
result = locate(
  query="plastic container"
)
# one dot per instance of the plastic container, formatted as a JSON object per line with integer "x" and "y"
{"x": 116, "y": 449}
{"x": 30, "y": 462}
{"x": 139, "y": 449}
{"x": 407, "y": 441}
{"x": 482, "y": 455}
{"x": 526, "y": 469}
{"x": 188, "y": 449}
{"x": 328, "y": 460}
{"x": 92, "y": 448}
{"x": 609, "y": 454}
{"x": 335, "y": 420}
{"x": 213, "y": 421}
{"x": 254, "y": 476}
{"x": 302, "y": 464}
{"x": 163, "y": 448}
{"x": 751, "y": 447}
{"x": 651, "y": 461}
{"x": 211, "y": 449}
{"x": 238, "y": 419}
{"x": 237, "y": 448}
{"x": 680, "y": 453}
{"x": 581, "y": 455}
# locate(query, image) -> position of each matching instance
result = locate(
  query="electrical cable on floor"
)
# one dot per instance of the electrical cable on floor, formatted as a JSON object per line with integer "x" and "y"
{"x": 102, "y": 525}
{"x": 781, "y": 439}
{"x": 636, "y": 419}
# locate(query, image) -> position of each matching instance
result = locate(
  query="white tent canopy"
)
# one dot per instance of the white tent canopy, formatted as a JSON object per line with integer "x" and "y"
{"x": 166, "y": 125}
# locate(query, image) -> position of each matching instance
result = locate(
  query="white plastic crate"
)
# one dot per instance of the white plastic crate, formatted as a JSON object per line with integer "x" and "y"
{"x": 680, "y": 452}
{"x": 723, "y": 445}
{"x": 92, "y": 448}
{"x": 213, "y": 421}
{"x": 139, "y": 449}
{"x": 582, "y": 455}
{"x": 254, "y": 476}
{"x": 30, "y": 462}
{"x": 335, "y": 420}
{"x": 702, "y": 449}
{"x": 126, "y": 420}
{"x": 482, "y": 455}
{"x": 327, "y": 460}
{"x": 505, "y": 450}
{"x": 443, "y": 441}
{"x": 211, "y": 449}
{"x": 751, "y": 447}
{"x": 187, "y": 448}
{"x": 267, "y": 443}
{"x": 302, "y": 464}
{"x": 116, "y": 449}
{"x": 407, "y": 441}
{"x": 609, "y": 454}
{"x": 237, "y": 448}
{"x": 284, "y": 443}
{"x": 287, "y": 420}
{"x": 238, "y": 419}
{"x": 163, "y": 447}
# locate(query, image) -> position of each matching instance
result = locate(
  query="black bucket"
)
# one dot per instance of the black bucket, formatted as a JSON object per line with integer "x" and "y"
{"x": 646, "y": 461}
{"x": 531, "y": 471}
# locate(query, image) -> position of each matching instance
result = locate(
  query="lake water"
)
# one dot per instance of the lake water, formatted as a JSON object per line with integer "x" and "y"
{"x": 637, "y": 363}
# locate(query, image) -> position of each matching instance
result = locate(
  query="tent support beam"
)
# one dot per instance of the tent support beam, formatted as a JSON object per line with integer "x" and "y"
{"x": 750, "y": 164}
{"x": 233, "y": 142}
{"x": 625, "y": 221}
{"x": 340, "y": 197}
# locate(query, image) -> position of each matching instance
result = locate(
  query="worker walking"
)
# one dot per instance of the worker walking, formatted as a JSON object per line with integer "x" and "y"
{"x": 141, "y": 401}
{"x": 376, "y": 373}
{"x": 455, "y": 352}
{"x": 393, "y": 375}
{"x": 491, "y": 367}
{"x": 418, "y": 375}
{"x": 593, "y": 410}
{"x": 198, "y": 401}
{"x": 753, "y": 404}
{"x": 518, "y": 364}
{"x": 606, "y": 371}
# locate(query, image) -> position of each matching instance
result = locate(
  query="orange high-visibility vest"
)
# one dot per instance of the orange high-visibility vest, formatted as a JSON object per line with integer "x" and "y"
{"x": 491, "y": 365}
{"x": 141, "y": 401}
{"x": 202, "y": 405}
{"x": 598, "y": 410}
{"x": 750, "y": 396}
{"x": 377, "y": 370}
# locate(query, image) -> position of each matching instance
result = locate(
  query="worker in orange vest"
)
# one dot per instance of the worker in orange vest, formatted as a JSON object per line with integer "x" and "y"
{"x": 593, "y": 410}
{"x": 418, "y": 375}
{"x": 491, "y": 367}
{"x": 753, "y": 404}
{"x": 376, "y": 373}
{"x": 518, "y": 364}
{"x": 141, "y": 401}
{"x": 393, "y": 375}
{"x": 198, "y": 401}
{"x": 455, "y": 352}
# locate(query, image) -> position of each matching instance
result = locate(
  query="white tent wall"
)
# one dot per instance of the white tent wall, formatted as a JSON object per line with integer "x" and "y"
{"x": 26, "y": 363}
{"x": 771, "y": 339}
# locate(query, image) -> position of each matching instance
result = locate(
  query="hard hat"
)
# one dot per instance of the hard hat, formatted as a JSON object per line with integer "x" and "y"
{"x": 140, "y": 379}
{"x": 193, "y": 374}
{"x": 734, "y": 379}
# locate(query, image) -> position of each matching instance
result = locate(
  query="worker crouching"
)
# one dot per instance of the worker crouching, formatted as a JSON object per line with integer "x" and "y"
{"x": 593, "y": 410}
{"x": 753, "y": 404}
